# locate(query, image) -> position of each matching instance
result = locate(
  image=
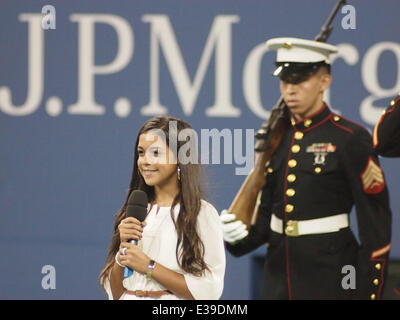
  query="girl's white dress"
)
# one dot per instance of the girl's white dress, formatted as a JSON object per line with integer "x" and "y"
{"x": 159, "y": 240}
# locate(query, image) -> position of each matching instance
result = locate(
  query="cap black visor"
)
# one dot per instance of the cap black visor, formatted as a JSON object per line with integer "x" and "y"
{"x": 296, "y": 72}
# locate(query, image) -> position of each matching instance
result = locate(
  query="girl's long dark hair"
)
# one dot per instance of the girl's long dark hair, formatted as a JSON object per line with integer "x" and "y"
{"x": 189, "y": 249}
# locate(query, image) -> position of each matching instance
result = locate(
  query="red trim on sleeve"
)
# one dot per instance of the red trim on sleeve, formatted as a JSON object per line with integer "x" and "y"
{"x": 380, "y": 252}
{"x": 375, "y": 256}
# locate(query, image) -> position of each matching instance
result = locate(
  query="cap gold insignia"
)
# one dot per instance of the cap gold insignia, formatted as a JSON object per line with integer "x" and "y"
{"x": 372, "y": 178}
{"x": 287, "y": 45}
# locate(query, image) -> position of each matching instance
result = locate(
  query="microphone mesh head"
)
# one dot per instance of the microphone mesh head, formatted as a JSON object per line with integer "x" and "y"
{"x": 137, "y": 205}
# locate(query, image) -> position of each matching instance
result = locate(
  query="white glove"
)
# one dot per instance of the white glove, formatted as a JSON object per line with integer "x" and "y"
{"x": 233, "y": 230}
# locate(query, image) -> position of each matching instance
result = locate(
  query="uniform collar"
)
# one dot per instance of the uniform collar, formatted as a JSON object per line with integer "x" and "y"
{"x": 314, "y": 120}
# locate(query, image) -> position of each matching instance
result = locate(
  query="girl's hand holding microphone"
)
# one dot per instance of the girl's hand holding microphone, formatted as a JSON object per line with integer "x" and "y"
{"x": 130, "y": 254}
{"x": 130, "y": 229}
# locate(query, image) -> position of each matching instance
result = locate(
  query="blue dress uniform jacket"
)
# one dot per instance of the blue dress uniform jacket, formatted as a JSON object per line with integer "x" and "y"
{"x": 387, "y": 131}
{"x": 323, "y": 166}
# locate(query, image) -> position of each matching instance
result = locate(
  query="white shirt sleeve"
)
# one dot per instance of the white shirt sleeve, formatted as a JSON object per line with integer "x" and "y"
{"x": 107, "y": 288}
{"x": 210, "y": 285}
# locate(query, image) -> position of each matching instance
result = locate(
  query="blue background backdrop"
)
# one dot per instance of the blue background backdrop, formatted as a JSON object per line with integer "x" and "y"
{"x": 63, "y": 175}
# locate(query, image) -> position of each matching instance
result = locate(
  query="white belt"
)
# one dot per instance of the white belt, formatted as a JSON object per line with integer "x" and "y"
{"x": 313, "y": 226}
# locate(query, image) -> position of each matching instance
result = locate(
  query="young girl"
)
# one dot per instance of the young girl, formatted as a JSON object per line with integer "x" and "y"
{"x": 180, "y": 252}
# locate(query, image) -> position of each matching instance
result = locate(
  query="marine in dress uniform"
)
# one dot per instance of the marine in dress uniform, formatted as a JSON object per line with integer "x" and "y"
{"x": 386, "y": 135}
{"x": 324, "y": 165}
{"x": 386, "y": 139}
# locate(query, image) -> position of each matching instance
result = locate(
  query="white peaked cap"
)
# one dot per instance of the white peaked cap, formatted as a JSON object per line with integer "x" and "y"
{"x": 300, "y": 50}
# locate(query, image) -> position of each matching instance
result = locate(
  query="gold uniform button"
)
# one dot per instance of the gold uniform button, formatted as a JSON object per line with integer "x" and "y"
{"x": 307, "y": 123}
{"x": 317, "y": 170}
{"x": 289, "y": 208}
{"x": 373, "y": 296}
{"x": 392, "y": 103}
{"x": 290, "y": 192}
{"x": 292, "y": 163}
{"x": 295, "y": 148}
{"x": 291, "y": 177}
{"x": 270, "y": 170}
{"x": 375, "y": 282}
{"x": 298, "y": 135}
{"x": 378, "y": 266}
{"x": 336, "y": 118}
{"x": 293, "y": 122}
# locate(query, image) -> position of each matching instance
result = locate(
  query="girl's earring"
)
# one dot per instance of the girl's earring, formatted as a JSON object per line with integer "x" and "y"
{"x": 179, "y": 174}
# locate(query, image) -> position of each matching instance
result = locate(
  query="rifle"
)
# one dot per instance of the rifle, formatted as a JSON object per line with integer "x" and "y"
{"x": 268, "y": 137}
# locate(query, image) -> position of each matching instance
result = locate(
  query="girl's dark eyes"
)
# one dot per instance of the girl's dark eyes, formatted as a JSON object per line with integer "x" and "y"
{"x": 154, "y": 152}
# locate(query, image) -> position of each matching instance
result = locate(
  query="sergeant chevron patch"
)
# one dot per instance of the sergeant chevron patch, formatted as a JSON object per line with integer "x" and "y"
{"x": 372, "y": 178}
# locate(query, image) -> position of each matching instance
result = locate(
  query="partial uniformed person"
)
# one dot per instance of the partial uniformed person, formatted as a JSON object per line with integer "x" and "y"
{"x": 386, "y": 135}
{"x": 386, "y": 139}
{"x": 324, "y": 165}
